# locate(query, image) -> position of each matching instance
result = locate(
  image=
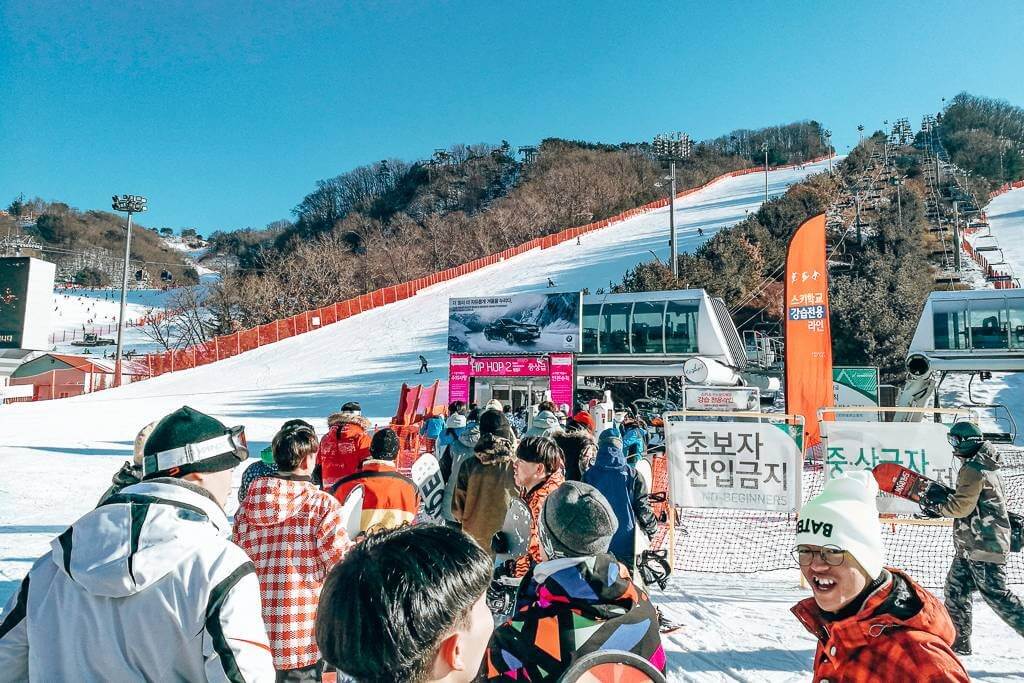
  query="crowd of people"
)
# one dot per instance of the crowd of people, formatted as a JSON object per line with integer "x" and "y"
{"x": 156, "y": 583}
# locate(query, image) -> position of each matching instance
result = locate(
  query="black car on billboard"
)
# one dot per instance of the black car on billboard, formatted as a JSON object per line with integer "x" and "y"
{"x": 512, "y": 331}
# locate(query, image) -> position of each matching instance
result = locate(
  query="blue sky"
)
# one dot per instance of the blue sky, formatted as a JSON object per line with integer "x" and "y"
{"x": 225, "y": 114}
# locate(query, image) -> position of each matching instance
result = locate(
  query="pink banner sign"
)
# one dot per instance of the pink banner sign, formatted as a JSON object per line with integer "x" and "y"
{"x": 562, "y": 380}
{"x": 508, "y": 366}
{"x": 458, "y": 378}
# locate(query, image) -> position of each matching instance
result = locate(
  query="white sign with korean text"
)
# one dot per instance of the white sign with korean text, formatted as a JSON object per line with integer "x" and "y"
{"x": 919, "y": 446}
{"x": 734, "y": 465}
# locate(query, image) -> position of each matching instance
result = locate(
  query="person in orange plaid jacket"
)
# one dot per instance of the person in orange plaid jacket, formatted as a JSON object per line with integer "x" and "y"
{"x": 294, "y": 534}
{"x": 872, "y": 623}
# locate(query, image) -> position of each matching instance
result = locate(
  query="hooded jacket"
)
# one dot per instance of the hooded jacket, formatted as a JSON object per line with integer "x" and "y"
{"x": 566, "y": 609}
{"x": 901, "y": 632}
{"x": 534, "y": 499}
{"x": 544, "y": 423}
{"x": 452, "y": 460}
{"x": 485, "y": 488}
{"x": 981, "y": 526}
{"x": 294, "y": 534}
{"x": 627, "y": 493}
{"x": 344, "y": 447}
{"x": 578, "y": 447}
{"x": 145, "y": 587}
{"x": 390, "y": 498}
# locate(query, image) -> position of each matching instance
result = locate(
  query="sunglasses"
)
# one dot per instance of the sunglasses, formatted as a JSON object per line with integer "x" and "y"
{"x": 830, "y": 555}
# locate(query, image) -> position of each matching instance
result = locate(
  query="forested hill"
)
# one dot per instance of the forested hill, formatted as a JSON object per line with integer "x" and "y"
{"x": 393, "y": 220}
{"x": 88, "y": 246}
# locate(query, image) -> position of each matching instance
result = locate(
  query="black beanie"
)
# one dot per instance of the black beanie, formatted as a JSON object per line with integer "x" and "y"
{"x": 183, "y": 427}
{"x": 384, "y": 445}
{"x": 494, "y": 422}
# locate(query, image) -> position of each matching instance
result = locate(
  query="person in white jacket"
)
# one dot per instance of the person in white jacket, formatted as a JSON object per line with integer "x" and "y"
{"x": 147, "y": 586}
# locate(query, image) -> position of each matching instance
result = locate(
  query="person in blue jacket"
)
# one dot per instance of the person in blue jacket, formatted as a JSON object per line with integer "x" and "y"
{"x": 634, "y": 442}
{"x": 626, "y": 492}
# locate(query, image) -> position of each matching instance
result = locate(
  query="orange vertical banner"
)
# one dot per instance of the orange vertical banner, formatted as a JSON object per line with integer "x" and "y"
{"x": 808, "y": 335}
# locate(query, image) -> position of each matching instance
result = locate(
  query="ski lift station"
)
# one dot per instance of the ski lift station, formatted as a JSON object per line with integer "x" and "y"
{"x": 568, "y": 347}
{"x": 972, "y": 331}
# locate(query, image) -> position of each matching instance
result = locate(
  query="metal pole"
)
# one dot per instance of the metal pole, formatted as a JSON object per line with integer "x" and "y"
{"x": 956, "y": 236}
{"x": 899, "y": 202}
{"x": 765, "y": 175}
{"x": 672, "y": 220}
{"x": 124, "y": 298}
{"x": 856, "y": 200}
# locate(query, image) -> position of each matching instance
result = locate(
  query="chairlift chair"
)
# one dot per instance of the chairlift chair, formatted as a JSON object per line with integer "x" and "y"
{"x": 999, "y": 416}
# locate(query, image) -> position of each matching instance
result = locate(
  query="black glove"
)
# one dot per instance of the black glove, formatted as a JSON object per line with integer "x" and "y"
{"x": 930, "y": 509}
{"x": 936, "y": 494}
{"x": 500, "y": 542}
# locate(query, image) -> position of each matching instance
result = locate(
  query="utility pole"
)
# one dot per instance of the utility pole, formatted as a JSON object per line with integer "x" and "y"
{"x": 828, "y": 143}
{"x": 856, "y": 202}
{"x": 671, "y": 147}
{"x": 956, "y": 236}
{"x": 129, "y": 203}
{"x": 764, "y": 148}
{"x": 899, "y": 200}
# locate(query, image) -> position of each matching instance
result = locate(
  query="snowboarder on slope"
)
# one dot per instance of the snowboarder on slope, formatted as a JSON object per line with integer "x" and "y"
{"x": 551, "y": 283}
{"x": 872, "y": 623}
{"x": 107, "y": 603}
{"x": 981, "y": 534}
{"x": 423, "y": 365}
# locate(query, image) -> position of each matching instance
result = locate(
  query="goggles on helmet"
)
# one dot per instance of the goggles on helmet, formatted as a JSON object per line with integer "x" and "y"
{"x": 233, "y": 442}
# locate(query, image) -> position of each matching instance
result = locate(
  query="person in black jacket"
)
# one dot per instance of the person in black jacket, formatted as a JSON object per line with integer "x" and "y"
{"x": 578, "y": 446}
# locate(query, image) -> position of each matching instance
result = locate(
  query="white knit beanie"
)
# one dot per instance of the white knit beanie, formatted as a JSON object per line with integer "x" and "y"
{"x": 494, "y": 404}
{"x": 845, "y": 515}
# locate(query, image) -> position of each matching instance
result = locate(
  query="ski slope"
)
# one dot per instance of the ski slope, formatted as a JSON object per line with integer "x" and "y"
{"x": 97, "y": 309}
{"x": 58, "y": 456}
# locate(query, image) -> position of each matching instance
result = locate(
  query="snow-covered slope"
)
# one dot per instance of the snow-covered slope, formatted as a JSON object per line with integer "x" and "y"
{"x": 58, "y": 456}
{"x": 97, "y": 310}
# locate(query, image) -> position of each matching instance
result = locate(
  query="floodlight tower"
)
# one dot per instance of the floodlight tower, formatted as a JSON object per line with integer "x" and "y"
{"x": 672, "y": 147}
{"x": 128, "y": 203}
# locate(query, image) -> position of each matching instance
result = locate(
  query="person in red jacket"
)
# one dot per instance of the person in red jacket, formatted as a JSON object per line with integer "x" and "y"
{"x": 872, "y": 623}
{"x": 390, "y": 498}
{"x": 294, "y": 535}
{"x": 346, "y": 444}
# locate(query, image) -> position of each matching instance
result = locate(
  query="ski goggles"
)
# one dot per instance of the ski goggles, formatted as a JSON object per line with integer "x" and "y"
{"x": 231, "y": 443}
{"x": 957, "y": 441}
{"x": 830, "y": 555}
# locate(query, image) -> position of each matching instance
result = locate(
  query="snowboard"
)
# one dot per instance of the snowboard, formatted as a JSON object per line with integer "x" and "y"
{"x": 426, "y": 474}
{"x": 904, "y": 483}
{"x": 501, "y": 594}
{"x": 352, "y": 511}
{"x": 640, "y": 540}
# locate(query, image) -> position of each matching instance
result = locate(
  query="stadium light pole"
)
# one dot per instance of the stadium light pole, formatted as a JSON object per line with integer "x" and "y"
{"x": 672, "y": 147}
{"x": 764, "y": 148}
{"x": 128, "y": 203}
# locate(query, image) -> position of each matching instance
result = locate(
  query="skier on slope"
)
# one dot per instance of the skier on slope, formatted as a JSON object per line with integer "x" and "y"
{"x": 981, "y": 534}
{"x": 345, "y": 445}
{"x": 147, "y": 586}
{"x": 423, "y": 365}
{"x": 872, "y": 623}
{"x": 294, "y": 534}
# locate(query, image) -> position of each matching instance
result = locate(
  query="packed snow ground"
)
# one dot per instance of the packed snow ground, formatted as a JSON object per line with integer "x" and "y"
{"x": 58, "y": 456}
